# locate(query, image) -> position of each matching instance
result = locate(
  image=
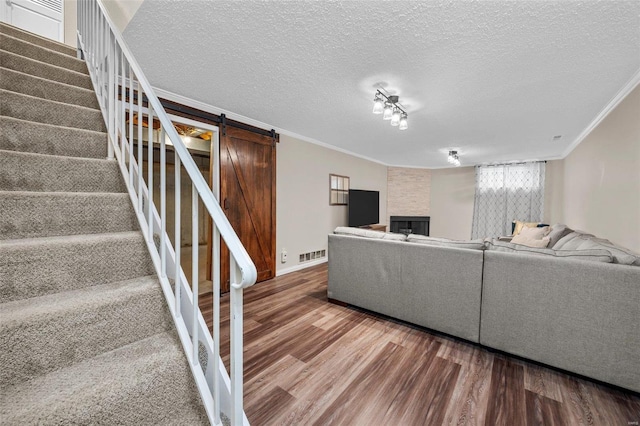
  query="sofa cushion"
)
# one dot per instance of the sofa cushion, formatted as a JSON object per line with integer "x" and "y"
{"x": 517, "y": 228}
{"x": 445, "y": 242}
{"x": 530, "y": 242}
{"x": 571, "y": 240}
{"x": 595, "y": 255}
{"x": 558, "y": 231}
{"x": 368, "y": 233}
{"x": 620, "y": 254}
{"x": 534, "y": 233}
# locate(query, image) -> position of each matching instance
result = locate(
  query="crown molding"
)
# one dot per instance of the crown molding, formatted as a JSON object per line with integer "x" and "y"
{"x": 613, "y": 103}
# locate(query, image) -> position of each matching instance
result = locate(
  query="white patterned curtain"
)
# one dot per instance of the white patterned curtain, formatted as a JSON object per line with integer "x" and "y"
{"x": 505, "y": 193}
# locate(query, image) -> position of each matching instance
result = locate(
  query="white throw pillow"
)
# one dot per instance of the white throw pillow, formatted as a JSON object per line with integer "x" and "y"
{"x": 534, "y": 233}
{"x": 530, "y": 242}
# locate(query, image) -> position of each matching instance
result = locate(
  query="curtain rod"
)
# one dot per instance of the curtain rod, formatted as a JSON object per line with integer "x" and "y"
{"x": 511, "y": 164}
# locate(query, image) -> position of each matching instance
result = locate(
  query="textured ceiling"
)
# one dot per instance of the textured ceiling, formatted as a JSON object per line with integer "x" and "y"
{"x": 497, "y": 80}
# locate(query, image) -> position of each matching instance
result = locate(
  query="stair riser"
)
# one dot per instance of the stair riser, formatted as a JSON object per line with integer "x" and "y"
{"x": 45, "y": 111}
{"x": 28, "y": 136}
{"x": 34, "y": 172}
{"x": 33, "y": 215}
{"x": 34, "y": 39}
{"x": 47, "y": 89}
{"x": 29, "y": 66}
{"x": 41, "y": 54}
{"x": 42, "y": 343}
{"x": 40, "y": 268}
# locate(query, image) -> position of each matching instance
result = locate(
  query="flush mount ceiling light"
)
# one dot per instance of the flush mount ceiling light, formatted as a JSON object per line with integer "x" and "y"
{"x": 453, "y": 158}
{"x": 390, "y": 109}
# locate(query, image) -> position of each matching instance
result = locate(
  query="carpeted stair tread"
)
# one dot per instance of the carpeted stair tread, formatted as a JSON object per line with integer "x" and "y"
{"x": 41, "y": 69}
{"x": 41, "y": 334}
{"x": 29, "y": 136}
{"x": 147, "y": 382}
{"x": 26, "y": 107}
{"x": 86, "y": 335}
{"x": 36, "y": 39}
{"x": 42, "y": 54}
{"x": 27, "y": 84}
{"x": 47, "y": 214}
{"x": 20, "y": 171}
{"x": 33, "y": 267}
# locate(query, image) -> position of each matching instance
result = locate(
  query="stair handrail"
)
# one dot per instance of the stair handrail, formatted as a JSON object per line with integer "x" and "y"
{"x": 109, "y": 60}
{"x": 248, "y": 270}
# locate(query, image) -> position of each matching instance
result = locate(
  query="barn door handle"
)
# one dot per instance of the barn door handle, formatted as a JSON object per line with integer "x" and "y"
{"x": 226, "y": 204}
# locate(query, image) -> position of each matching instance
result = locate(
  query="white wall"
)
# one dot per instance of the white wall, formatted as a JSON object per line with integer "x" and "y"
{"x": 452, "y": 196}
{"x": 70, "y": 22}
{"x": 121, "y": 11}
{"x": 601, "y": 178}
{"x": 304, "y": 216}
{"x": 554, "y": 192}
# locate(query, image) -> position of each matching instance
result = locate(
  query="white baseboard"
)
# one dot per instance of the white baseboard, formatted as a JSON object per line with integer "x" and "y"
{"x": 300, "y": 266}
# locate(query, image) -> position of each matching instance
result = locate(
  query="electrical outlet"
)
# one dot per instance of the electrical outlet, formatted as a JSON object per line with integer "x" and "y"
{"x": 283, "y": 256}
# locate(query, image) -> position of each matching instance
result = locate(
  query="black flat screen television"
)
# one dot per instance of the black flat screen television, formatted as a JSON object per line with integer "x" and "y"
{"x": 364, "y": 207}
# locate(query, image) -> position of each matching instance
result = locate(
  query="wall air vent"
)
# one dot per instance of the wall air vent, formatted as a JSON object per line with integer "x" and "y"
{"x": 314, "y": 255}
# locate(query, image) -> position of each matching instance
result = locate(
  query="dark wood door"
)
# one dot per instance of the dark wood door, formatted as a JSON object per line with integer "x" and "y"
{"x": 248, "y": 198}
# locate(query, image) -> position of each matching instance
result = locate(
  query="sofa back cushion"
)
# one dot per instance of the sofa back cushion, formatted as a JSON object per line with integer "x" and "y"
{"x": 571, "y": 240}
{"x": 558, "y": 231}
{"x": 445, "y": 242}
{"x": 369, "y": 233}
{"x": 595, "y": 255}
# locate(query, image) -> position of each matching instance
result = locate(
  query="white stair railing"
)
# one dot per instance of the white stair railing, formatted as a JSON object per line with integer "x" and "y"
{"x": 124, "y": 94}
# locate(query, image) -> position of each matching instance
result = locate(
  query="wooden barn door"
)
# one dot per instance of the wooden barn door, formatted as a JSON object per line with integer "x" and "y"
{"x": 248, "y": 198}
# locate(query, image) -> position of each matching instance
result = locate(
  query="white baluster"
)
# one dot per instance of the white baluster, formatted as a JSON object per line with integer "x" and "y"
{"x": 150, "y": 175}
{"x": 140, "y": 153}
{"x": 163, "y": 204}
{"x": 178, "y": 237}
{"x": 236, "y": 345}
{"x": 110, "y": 106}
{"x": 194, "y": 271}
{"x": 131, "y": 159}
{"x": 215, "y": 275}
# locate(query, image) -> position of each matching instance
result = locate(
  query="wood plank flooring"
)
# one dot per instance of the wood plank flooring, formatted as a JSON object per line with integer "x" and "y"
{"x": 310, "y": 362}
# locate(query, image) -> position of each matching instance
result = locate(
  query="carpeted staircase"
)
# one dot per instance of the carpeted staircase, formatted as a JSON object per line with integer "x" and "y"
{"x": 85, "y": 333}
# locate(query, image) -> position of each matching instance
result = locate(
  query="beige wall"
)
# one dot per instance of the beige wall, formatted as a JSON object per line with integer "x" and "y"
{"x": 408, "y": 192}
{"x": 601, "y": 178}
{"x": 70, "y": 22}
{"x": 452, "y": 194}
{"x": 121, "y": 11}
{"x": 554, "y": 192}
{"x": 304, "y": 216}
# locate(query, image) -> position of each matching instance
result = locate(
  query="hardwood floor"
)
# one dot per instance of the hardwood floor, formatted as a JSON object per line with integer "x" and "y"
{"x": 307, "y": 361}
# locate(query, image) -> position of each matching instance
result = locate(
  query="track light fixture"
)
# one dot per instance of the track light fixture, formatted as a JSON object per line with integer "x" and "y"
{"x": 453, "y": 158}
{"x": 390, "y": 109}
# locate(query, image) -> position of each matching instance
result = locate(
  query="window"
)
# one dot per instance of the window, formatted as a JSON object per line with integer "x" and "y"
{"x": 505, "y": 193}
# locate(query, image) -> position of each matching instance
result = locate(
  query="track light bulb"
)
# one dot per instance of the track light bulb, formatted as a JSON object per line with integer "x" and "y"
{"x": 403, "y": 122}
{"x": 395, "y": 117}
{"x": 388, "y": 112}
{"x": 378, "y": 105}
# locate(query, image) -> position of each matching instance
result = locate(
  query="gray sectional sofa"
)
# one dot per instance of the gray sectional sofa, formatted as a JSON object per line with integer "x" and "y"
{"x": 572, "y": 309}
